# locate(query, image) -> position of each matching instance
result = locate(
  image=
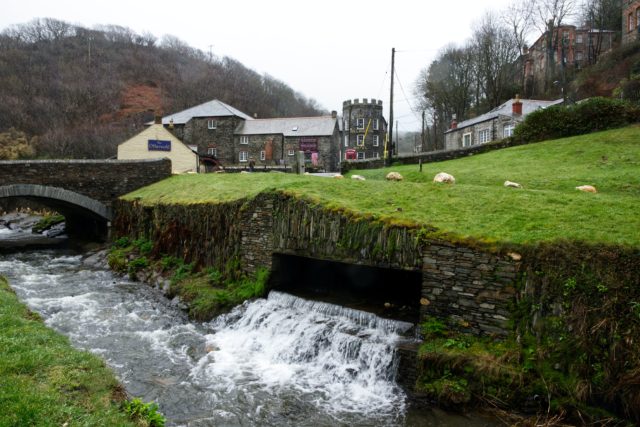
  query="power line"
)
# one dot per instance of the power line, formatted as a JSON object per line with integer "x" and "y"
{"x": 406, "y": 98}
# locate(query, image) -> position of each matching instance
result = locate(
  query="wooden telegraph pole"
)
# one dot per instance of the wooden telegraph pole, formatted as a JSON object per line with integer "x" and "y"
{"x": 390, "y": 141}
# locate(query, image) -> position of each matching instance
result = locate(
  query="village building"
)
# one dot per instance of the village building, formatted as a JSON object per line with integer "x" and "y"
{"x": 571, "y": 47}
{"x": 209, "y": 127}
{"x": 630, "y": 20}
{"x": 157, "y": 142}
{"x": 363, "y": 130}
{"x": 496, "y": 124}
{"x": 276, "y": 141}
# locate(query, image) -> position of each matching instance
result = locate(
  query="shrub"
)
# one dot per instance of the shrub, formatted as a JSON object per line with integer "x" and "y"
{"x": 592, "y": 115}
{"x": 145, "y": 413}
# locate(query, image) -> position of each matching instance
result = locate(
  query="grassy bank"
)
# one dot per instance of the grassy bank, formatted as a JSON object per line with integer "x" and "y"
{"x": 45, "y": 381}
{"x": 548, "y": 208}
{"x": 208, "y": 292}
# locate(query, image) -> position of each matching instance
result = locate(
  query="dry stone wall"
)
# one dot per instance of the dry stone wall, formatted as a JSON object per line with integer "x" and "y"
{"x": 471, "y": 288}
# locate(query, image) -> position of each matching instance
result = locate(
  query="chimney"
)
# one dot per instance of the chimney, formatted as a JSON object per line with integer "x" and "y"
{"x": 454, "y": 123}
{"x": 255, "y": 115}
{"x": 334, "y": 114}
{"x": 517, "y": 106}
{"x": 158, "y": 119}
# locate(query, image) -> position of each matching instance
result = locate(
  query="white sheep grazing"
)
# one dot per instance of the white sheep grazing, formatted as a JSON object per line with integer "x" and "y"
{"x": 587, "y": 188}
{"x": 358, "y": 177}
{"x": 512, "y": 184}
{"x": 394, "y": 176}
{"x": 444, "y": 177}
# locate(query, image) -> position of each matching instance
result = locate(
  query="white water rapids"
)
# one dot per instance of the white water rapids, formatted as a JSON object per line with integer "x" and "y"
{"x": 276, "y": 361}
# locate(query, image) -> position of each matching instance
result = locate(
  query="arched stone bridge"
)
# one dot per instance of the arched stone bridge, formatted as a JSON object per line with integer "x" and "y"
{"x": 82, "y": 190}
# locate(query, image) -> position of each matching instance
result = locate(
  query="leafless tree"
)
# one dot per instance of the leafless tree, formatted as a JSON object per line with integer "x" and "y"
{"x": 598, "y": 15}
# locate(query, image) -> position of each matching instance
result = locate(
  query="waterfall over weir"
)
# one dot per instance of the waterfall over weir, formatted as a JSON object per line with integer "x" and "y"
{"x": 279, "y": 361}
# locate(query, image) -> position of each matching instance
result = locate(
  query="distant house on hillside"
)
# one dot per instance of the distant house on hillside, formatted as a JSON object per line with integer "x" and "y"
{"x": 630, "y": 20}
{"x": 496, "y": 124}
{"x": 575, "y": 47}
{"x": 233, "y": 138}
{"x": 157, "y": 142}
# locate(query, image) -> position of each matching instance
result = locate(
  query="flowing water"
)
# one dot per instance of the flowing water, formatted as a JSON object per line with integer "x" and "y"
{"x": 279, "y": 361}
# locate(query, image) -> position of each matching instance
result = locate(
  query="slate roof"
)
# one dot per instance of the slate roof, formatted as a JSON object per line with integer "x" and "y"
{"x": 290, "y": 126}
{"x": 212, "y": 108}
{"x": 506, "y": 109}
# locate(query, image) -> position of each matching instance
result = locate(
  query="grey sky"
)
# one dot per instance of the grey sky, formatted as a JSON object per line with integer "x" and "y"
{"x": 328, "y": 50}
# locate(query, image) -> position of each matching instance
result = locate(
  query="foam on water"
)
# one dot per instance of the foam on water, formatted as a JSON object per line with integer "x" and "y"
{"x": 277, "y": 361}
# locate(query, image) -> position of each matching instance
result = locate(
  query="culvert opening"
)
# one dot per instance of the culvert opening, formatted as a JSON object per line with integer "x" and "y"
{"x": 386, "y": 292}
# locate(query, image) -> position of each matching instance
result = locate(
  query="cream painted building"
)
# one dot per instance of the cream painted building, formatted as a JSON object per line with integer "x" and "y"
{"x": 157, "y": 142}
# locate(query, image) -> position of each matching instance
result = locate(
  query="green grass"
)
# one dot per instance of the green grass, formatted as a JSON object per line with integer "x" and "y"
{"x": 45, "y": 381}
{"x": 549, "y": 208}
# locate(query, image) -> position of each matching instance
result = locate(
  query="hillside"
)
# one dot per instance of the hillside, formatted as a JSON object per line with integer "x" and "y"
{"x": 549, "y": 207}
{"x": 82, "y": 91}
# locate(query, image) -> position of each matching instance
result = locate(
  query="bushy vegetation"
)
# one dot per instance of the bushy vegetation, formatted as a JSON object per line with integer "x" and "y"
{"x": 45, "y": 381}
{"x": 591, "y": 115}
{"x": 98, "y": 86}
{"x": 47, "y": 222}
{"x": 208, "y": 292}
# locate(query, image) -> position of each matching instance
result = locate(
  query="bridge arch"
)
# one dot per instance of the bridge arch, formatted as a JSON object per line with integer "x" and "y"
{"x": 58, "y": 196}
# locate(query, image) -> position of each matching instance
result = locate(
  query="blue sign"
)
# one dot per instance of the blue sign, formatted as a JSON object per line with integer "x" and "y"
{"x": 159, "y": 145}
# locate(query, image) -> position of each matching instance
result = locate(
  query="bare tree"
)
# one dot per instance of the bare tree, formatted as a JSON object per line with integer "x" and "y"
{"x": 497, "y": 51}
{"x": 519, "y": 18}
{"x": 550, "y": 15}
{"x": 598, "y": 15}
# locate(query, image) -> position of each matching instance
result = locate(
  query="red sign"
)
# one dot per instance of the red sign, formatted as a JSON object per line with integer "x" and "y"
{"x": 309, "y": 145}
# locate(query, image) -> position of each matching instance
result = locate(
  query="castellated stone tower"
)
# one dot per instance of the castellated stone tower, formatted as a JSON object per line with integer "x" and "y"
{"x": 364, "y": 129}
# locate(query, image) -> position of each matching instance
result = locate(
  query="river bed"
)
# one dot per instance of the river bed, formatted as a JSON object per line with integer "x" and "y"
{"x": 278, "y": 361}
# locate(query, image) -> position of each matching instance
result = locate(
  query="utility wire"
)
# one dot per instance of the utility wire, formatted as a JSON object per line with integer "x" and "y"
{"x": 417, "y": 116}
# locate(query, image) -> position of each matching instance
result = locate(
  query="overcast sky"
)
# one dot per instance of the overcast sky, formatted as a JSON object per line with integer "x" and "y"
{"x": 328, "y": 50}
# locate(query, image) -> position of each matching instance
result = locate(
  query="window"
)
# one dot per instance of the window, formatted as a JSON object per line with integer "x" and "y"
{"x": 244, "y": 155}
{"x": 346, "y": 140}
{"x": 263, "y": 155}
{"x": 579, "y": 56}
{"x": 360, "y": 124}
{"x": 508, "y": 130}
{"x": 484, "y": 136}
{"x": 466, "y": 140}
{"x": 212, "y": 152}
{"x": 244, "y": 140}
{"x": 630, "y": 22}
{"x": 360, "y": 140}
{"x": 291, "y": 153}
{"x": 361, "y": 155}
{"x": 578, "y": 38}
{"x": 638, "y": 17}
{"x": 375, "y": 124}
{"x": 376, "y": 140}
{"x": 376, "y": 155}
{"x": 212, "y": 124}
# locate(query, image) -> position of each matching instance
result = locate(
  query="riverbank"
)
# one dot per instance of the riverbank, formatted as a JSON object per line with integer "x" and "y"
{"x": 45, "y": 381}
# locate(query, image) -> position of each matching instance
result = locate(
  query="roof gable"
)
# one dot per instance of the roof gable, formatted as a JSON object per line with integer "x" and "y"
{"x": 290, "y": 126}
{"x": 214, "y": 108}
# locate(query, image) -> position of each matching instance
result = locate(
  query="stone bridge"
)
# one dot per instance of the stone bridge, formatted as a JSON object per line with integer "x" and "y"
{"x": 81, "y": 190}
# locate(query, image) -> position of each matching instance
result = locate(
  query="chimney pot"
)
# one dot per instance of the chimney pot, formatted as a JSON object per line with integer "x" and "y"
{"x": 158, "y": 119}
{"x": 517, "y": 106}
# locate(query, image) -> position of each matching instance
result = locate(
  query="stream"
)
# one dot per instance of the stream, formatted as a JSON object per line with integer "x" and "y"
{"x": 277, "y": 361}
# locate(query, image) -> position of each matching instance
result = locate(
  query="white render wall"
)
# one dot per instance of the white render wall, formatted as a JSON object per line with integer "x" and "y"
{"x": 183, "y": 160}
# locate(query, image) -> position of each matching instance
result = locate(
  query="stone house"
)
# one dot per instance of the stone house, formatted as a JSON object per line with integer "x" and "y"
{"x": 209, "y": 127}
{"x": 630, "y": 20}
{"x": 157, "y": 142}
{"x": 575, "y": 47}
{"x": 276, "y": 141}
{"x": 496, "y": 124}
{"x": 363, "y": 130}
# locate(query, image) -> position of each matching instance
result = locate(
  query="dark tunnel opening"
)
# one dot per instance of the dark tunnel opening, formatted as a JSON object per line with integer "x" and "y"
{"x": 386, "y": 292}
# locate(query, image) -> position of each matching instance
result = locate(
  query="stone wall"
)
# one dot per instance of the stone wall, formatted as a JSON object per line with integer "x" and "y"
{"x": 196, "y": 132}
{"x": 471, "y": 288}
{"x": 433, "y": 156}
{"x": 101, "y": 180}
